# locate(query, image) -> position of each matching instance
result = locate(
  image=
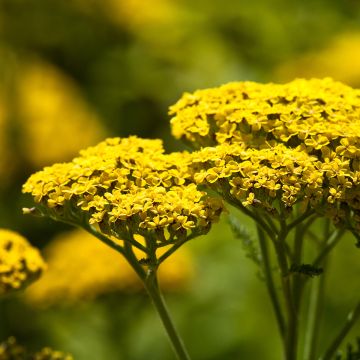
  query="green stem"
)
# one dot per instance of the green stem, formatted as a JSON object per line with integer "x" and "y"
{"x": 104, "y": 238}
{"x": 316, "y": 300}
{"x": 150, "y": 282}
{"x": 291, "y": 333}
{"x": 151, "y": 285}
{"x": 329, "y": 245}
{"x": 314, "y": 318}
{"x": 270, "y": 281}
{"x": 300, "y": 219}
{"x": 297, "y": 285}
{"x": 249, "y": 213}
{"x": 350, "y": 321}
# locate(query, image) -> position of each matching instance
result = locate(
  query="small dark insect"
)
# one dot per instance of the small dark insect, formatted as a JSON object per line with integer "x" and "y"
{"x": 144, "y": 261}
{"x": 306, "y": 269}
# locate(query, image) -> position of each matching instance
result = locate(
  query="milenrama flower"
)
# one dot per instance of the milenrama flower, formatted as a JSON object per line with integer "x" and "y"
{"x": 20, "y": 263}
{"x": 71, "y": 277}
{"x": 317, "y": 113}
{"x": 286, "y": 155}
{"x": 298, "y": 142}
{"x": 11, "y": 350}
{"x": 125, "y": 188}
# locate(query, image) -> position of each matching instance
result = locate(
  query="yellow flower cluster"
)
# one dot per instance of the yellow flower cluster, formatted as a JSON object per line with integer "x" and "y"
{"x": 81, "y": 268}
{"x": 297, "y": 142}
{"x": 124, "y": 187}
{"x": 11, "y": 350}
{"x": 20, "y": 263}
{"x": 315, "y": 112}
{"x": 259, "y": 176}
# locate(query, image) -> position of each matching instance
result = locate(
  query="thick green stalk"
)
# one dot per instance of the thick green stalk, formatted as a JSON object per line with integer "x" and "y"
{"x": 270, "y": 281}
{"x": 291, "y": 326}
{"x": 291, "y": 333}
{"x": 313, "y": 320}
{"x": 316, "y": 300}
{"x": 150, "y": 282}
{"x": 153, "y": 290}
{"x": 149, "y": 279}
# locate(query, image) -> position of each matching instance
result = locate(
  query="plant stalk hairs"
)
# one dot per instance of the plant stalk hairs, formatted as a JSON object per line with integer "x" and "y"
{"x": 287, "y": 156}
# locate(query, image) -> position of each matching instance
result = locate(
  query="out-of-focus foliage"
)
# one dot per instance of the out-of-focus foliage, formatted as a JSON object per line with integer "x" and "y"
{"x": 80, "y": 267}
{"x": 122, "y": 63}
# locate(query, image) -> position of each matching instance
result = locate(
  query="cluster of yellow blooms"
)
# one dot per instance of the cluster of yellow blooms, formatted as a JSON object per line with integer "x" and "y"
{"x": 20, "y": 263}
{"x": 125, "y": 187}
{"x": 256, "y": 176}
{"x": 297, "y": 142}
{"x": 11, "y": 350}
{"x": 81, "y": 268}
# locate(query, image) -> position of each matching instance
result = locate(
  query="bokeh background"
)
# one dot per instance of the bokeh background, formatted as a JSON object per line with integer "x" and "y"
{"x": 75, "y": 72}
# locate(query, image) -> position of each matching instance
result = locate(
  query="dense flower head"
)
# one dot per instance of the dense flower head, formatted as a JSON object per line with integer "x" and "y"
{"x": 82, "y": 268}
{"x": 126, "y": 186}
{"x": 11, "y": 350}
{"x": 317, "y": 113}
{"x": 259, "y": 176}
{"x": 20, "y": 263}
{"x": 297, "y": 142}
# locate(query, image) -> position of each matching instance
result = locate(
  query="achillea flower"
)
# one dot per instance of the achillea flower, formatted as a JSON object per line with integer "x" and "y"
{"x": 317, "y": 113}
{"x": 297, "y": 142}
{"x": 124, "y": 187}
{"x": 20, "y": 263}
{"x": 259, "y": 177}
{"x": 81, "y": 268}
{"x": 11, "y": 350}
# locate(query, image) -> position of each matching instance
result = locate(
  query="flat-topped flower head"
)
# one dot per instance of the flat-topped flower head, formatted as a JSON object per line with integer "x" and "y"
{"x": 124, "y": 187}
{"x": 318, "y": 113}
{"x": 295, "y": 142}
{"x": 20, "y": 263}
{"x": 259, "y": 177}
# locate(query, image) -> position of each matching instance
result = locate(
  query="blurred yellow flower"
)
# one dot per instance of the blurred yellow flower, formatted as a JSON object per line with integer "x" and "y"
{"x": 142, "y": 14}
{"x": 11, "y": 350}
{"x": 82, "y": 267}
{"x": 20, "y": 263}
{"x": 54, "y": 120}
{"x": 339, "y": 59}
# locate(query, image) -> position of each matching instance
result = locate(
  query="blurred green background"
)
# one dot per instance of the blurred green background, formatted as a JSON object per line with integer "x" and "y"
{"x": 74, "y": 72}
